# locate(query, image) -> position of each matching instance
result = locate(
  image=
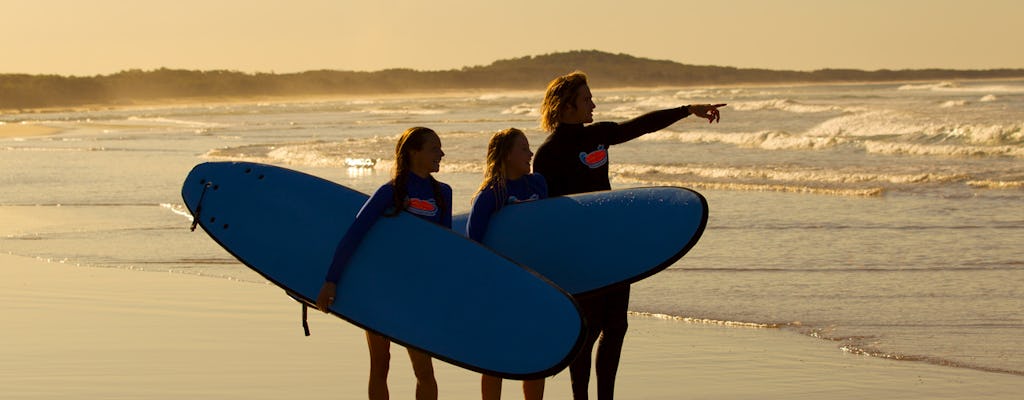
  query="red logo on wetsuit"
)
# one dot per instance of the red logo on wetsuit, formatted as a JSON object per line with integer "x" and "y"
{"x": 596, "y": 158}
{"x": 515, "y": 200}
{"x": 426, "y": 208}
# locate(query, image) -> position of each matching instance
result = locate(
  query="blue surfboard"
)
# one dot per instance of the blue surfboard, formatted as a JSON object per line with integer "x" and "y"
{"x": 592, "y": 241}
{"x": 413, "y": 281}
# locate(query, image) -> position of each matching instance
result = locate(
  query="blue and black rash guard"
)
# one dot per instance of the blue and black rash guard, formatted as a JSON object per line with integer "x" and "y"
{"x": 421, "y": 202}
{"x": 528, "y": 188}
{"x": 574, "y": 158}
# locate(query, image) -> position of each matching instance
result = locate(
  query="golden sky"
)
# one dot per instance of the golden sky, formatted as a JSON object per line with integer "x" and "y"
{"x": 88, "y": 37}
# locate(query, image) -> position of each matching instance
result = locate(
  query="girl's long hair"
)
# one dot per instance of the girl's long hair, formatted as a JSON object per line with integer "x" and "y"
{"x": 561, "y": 93}
{"x": 412, "y": 139}
{"x": 496, "y": 168}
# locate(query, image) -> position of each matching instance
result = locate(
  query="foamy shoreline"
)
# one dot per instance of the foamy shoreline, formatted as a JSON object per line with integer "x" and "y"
{"x": 81, "y": 332}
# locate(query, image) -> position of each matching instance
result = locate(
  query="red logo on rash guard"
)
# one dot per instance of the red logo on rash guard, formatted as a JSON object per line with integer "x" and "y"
{"x": 595, "y": 158}
{"x": 426, "y": 208}
{"x": 515, "y": 200}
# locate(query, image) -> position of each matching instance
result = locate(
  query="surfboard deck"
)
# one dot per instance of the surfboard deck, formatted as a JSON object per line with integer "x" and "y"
{"x": 589, "y": 242}
{"x": 420, "y": 284}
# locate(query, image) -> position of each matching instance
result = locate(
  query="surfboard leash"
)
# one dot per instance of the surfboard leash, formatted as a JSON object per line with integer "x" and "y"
{"x": 305, "y": 312}
{"x": 199, "y": 206}
{"x": 305, "y": 324}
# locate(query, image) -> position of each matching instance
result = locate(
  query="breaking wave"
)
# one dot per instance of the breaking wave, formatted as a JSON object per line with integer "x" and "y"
{"x": 783, "y": 105}
{"x": 878, "y": 132}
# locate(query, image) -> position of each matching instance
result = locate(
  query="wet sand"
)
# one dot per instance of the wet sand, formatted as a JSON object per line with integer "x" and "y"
{"x": 81, "y": 332}
{"x": 19, "y": 130}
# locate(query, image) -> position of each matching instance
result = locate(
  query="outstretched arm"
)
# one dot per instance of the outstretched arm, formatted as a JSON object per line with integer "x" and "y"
{"x": 657, "y": 120}
{"x": 650, "y": 122}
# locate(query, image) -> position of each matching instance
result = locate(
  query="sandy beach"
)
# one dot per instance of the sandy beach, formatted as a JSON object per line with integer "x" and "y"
{"x": 80, "y": 332}
{"x": 8, "y": 131}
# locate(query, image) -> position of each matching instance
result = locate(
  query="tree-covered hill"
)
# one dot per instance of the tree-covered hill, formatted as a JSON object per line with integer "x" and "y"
{"x": 20, "y": 91}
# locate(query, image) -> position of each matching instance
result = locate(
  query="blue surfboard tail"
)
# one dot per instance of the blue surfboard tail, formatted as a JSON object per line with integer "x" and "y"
{"x": 687, "y": 237}
{"x": 593, "y": 242}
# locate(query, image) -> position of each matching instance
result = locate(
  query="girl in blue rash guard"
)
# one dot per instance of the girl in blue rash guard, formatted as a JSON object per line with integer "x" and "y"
{"x": 413, "y": 189}
{"x": 507, "y": 181}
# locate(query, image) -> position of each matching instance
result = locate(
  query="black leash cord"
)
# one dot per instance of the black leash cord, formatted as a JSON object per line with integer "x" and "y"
{"x": 199, "y": 206}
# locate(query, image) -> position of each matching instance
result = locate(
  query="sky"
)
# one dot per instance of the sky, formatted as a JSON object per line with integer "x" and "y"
{"x": 99, "y": 37}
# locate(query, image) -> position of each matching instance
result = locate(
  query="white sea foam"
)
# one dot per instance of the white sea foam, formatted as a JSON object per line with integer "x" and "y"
{"x": 308, "y": 155}
{"x": 988, "y": 89}
{"x": 492, "y": 96}
{"x": 178, "y": 209}
{"x": 953, "y": 103}
{"x": 626, "y": 107}
{"x": 872, "y": 123}
{"x": 905, "y": 129}
{"x": 758, "y": 187}
{"x": 658, "y": 103}
{"x": 709, "y": 94}
{"x": 996, "y": 134}
{"x": 160, "y": 121}
{"x": 767, "y": 140}
{"x": 405, "y": 111}
{"x": 522, "y": 109}
{"x": 874, "y": 132}
{"x": 621, "y": 112}
{"x": 996, "y": 184}
{"x": 783, "y": 173}
{"x": 704, "y": 321}
{"x": 955, "y": 87}
{"x": 45, "y": 149}
{"x": 929, "y": 86}
{"x": 695, "y": 93}
{"x": 916, "y": 149}
{"x": 782, "y": 105}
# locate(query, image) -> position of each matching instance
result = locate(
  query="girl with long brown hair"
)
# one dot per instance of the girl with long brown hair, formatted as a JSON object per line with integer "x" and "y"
{"x": 413, "y": 189}
{"x": 507, "y": 180}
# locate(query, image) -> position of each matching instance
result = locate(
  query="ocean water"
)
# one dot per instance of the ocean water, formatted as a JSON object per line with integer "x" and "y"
{"x": 886, "y": 218}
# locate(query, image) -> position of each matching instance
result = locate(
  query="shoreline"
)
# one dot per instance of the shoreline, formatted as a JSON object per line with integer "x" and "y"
{"x": 296, "y": 98}
{"x": 85, "y": 332}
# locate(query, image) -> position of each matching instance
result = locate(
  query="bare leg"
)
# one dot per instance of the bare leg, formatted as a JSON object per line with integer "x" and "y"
{"x": 423, "y": 368}
{"x": 533, "y": 389}
{"x": 380, "y": 360}
{"x": 490, "y": 387}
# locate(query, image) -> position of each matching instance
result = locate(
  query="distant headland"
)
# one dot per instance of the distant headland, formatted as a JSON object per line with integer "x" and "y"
{"x": 23, "y": 91}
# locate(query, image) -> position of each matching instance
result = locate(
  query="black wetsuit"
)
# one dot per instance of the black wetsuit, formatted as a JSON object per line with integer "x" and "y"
{"x": 574, "y": 159}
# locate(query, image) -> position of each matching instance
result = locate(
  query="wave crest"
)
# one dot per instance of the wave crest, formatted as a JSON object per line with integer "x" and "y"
{"x": 783, "y": 105}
